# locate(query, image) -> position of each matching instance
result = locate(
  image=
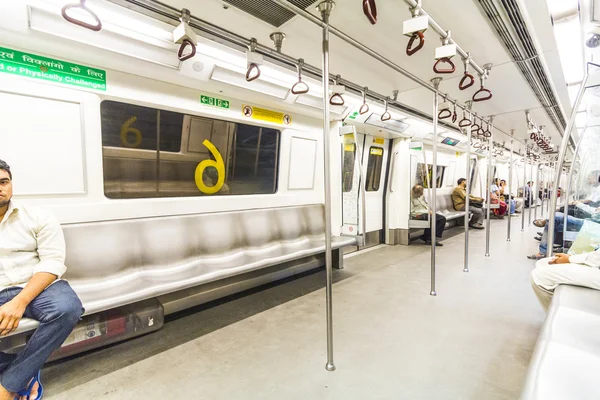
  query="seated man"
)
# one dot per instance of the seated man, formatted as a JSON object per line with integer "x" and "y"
{"x": 459, "y": 195}
{"x": 32, "y": 254}
{"x": 419, "y": 209}
{"x": 579, "y": 270}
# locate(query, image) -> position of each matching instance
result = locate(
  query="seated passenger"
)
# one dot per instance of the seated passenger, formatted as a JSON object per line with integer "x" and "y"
{"x": 578, "y": 270}
{"x": 527, "y": 196}
{"x": 459, "y": 195}
{"x": 495, "y": 199}
{"x": 32, "y": 252}
{"x": 419, "y": 209}
{"x": 516, "y": 203}
{"x": 573, "y": 225}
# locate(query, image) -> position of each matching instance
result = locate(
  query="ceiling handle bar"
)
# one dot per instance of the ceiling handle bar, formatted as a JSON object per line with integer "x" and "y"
{"x": 94, "y": 27}
{"x": 169, "y": 14}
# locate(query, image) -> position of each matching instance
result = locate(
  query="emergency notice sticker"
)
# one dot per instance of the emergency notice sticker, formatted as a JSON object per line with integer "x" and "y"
{"x": 263, "y": 114}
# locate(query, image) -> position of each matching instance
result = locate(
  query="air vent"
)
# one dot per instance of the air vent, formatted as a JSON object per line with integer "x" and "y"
{"x": 393, "y": 125}
{"x": 268, "y": 11}
{"x": 510, "y": 26}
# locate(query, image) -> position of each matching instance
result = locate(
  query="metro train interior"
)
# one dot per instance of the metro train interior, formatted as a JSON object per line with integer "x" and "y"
{"x": 312, "y": 199}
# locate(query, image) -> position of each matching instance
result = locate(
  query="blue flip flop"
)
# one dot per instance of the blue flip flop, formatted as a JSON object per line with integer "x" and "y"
{"x": 27, "y": 392}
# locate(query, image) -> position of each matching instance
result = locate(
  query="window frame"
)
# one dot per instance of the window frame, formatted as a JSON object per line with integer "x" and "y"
{"x": 183, "y": 150}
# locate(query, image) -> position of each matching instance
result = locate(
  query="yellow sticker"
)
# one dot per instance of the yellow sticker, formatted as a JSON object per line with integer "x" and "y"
{"x": 349, "y": 135}
{"x": 349, "y": 147}
{"x": 377, "y": 151}
{"x": 262, "y": 114}
{"x": 378, "y": 140}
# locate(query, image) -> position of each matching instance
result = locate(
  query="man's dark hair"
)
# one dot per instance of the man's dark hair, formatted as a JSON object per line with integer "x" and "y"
{"x": 6, "y": 167}
{"x": 461, "y": 180}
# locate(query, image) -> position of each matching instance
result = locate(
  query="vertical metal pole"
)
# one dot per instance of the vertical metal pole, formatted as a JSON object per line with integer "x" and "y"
{"x": 468, "y": 177}
{"x": 436, "y": 84}
{"x": 489, "y": 184}
{"x": 559, "y": 165}
{"x": 524, "y": 185}
{"x": 325, "y": 9}
{"x": 537, "y": 189}
{"x": 530, "y": 191}
{"x": 510, "y": 187}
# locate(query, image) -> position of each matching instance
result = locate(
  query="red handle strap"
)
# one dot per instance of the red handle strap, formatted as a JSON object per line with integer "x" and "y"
{"x": 183, "y": 46}
{"x": 445, "y": 113}
{"x": 463, "y": 123}
{"x": 454, "y": 116}
{"x": 370, "y": 10}
{"x": 253, "y": 72}
{"x": 364, "y": 109}
{"x": 474, "y": 128}
{"x": 81, "y": 5}
{"x": 533, "y": 136}
{"x": 412, "y": 50}
{"x": 486, "y": 95}
{"x": 467, "y": 81}
{"x": 336, "y": 99}
{"x": 300, "y": 88}
{"x": 386, "y": 116}
{"x": 450, "y": 67}
{"x": 487, "y": 132}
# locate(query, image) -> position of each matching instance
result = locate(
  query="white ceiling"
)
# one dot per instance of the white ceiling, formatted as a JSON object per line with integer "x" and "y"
{"x": 470, "y": 29}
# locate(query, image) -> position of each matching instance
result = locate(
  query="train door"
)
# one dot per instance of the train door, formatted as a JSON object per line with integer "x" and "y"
{"x": 375, "y": 158}
{"x": 365, "y": 160}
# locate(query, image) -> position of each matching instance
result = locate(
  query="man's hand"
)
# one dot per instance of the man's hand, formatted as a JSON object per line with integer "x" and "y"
{"x": 10, "y": 316}
{"x": 559, "y": 258}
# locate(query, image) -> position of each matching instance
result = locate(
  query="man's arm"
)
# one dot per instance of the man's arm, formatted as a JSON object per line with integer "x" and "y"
{"x": 51, "y": 252}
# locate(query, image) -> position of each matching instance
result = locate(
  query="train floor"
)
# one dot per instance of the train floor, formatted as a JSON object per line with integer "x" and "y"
{"x": 392, "y": 339}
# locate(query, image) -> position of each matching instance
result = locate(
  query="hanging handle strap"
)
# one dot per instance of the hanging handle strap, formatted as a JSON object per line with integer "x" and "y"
{"x": 180, "y": 53}
{"x": 370, "y": 10}
{"x": 365, "y": 107}
{"x": 445, "y": 113}
{"x": 449, "y": 69}
{"x": 410, "y": 50}
{"x": 253, "y": 72}
{"x": 454, "y": 115}
{"x": 300, "y": 87}
{"x": 94, "y": 27}
{"x": 336, "y": 99}
{"x": 386, "y": 116}
{"x": 467, "y": 81}
{"x": 482, "y": 94}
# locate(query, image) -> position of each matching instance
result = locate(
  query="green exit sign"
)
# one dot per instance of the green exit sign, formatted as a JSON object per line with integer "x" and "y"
{"x": 213, "y": 101}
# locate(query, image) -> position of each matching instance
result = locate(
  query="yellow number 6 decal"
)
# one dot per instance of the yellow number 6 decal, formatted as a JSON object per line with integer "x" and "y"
{"x": 217, "y": 163}
{"x": 127, "y": 128}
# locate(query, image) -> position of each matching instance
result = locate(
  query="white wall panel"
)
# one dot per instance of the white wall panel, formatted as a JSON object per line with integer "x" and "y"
{"x": 42, "y": 140}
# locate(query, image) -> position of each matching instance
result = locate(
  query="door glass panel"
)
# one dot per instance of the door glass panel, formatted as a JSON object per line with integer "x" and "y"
{"x": 374, "y": 166}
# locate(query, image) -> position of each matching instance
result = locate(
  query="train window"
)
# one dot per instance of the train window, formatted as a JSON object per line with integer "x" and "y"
{"x": 423, "y": 178}
{"x": 374, "y": 166}
{"x": 349, "y": 157}
{"x": 156, "y": 153}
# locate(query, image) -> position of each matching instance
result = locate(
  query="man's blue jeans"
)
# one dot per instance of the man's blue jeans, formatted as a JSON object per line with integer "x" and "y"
{"x": 58, "y": 309}
{"x": 573, "y": 225}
